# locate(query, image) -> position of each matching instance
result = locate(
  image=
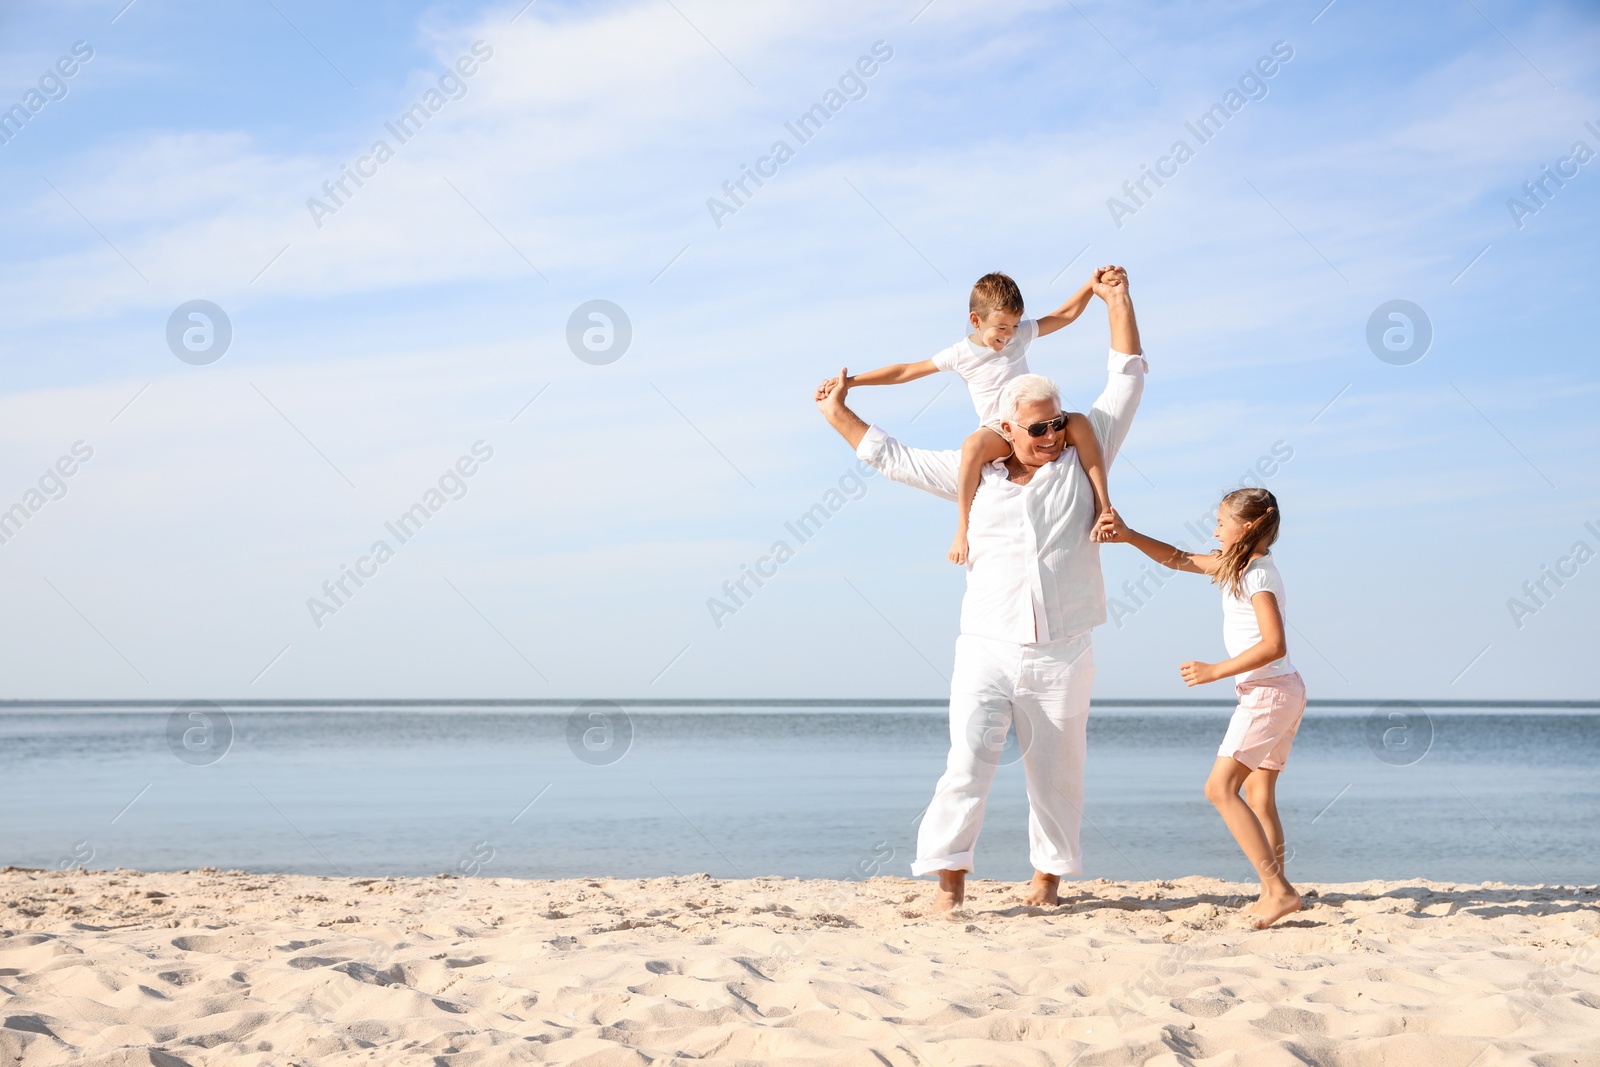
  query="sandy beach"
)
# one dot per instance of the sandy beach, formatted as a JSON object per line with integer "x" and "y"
{"x": 110, "y": 968}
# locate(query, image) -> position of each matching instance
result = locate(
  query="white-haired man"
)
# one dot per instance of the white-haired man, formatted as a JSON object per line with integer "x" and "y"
{"x": 1034, "y": 592}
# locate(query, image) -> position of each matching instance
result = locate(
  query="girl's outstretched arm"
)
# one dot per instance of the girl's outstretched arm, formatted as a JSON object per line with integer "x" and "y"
{"x": 1169, "y": 556}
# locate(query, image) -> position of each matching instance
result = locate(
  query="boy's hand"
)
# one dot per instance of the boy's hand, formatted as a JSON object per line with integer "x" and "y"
{"x": 831, "y": 392}
{"x": 1107, "y": 280}
{"x": 1196, "y": 673}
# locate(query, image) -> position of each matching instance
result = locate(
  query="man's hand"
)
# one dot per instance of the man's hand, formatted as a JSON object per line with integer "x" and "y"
{"x": 1110, "y": 284}
{"x": 1109, "y": 528}
{"x": 1196, "y": 673}
{"x": 830, "y": 401}
{"x": 834, "y": 389}
{"x": 1108, "y": 280}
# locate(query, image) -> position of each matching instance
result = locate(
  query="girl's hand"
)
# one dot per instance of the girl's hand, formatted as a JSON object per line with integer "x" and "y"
{"x": 1196, "y": 673}
{"x": 1109, "y": 527}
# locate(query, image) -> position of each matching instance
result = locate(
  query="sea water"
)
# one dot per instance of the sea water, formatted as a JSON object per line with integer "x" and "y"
{"x": 1459, "y": 795}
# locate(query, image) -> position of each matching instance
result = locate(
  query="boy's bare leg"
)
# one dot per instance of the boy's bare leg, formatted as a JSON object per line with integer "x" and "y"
{"x": 980, "y": 447}
{"x": 952, "y": 891}
{"x": 1080, "y": 435}
{"x": 1044, "y": 890}
{"x": 1278, "y": 897}
{"x": 1261, "y": 793}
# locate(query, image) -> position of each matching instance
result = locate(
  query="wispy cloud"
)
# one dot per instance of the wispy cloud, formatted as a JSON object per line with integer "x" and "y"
{"x": 410, "y": 324}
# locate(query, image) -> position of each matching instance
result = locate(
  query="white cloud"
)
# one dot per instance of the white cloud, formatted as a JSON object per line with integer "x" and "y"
{"x": 406, "y": 328}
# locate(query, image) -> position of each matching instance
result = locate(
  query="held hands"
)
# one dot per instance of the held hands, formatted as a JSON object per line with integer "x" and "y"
{"x": 1109, "y": 527}
{"x": 1196, "y": 673}
{"x": 831, "y": 393}
{"x": 1109, "y": 281}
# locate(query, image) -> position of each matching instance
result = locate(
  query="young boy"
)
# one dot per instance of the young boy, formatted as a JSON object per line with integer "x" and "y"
{"x": 993, "y": 354}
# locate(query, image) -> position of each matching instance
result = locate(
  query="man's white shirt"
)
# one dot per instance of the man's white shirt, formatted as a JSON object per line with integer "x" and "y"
{"x": 1033, "y": 574}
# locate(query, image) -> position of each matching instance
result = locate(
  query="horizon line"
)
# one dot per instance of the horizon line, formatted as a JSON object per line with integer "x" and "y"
{"x": 754, "y": 702}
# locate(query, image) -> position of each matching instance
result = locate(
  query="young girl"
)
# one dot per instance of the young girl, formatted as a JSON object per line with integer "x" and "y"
{"x": 1271, "y": 695}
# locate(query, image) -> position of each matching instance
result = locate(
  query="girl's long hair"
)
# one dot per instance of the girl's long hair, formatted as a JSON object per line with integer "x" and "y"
{"x": 1256, "y": 506}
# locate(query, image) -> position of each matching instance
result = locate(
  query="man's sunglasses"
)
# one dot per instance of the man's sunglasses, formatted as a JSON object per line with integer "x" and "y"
{"x": 1055, "y": 425}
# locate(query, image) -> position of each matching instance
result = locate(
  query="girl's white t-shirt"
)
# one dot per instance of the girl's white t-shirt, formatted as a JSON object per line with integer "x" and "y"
{"x": 1239, "y": 629}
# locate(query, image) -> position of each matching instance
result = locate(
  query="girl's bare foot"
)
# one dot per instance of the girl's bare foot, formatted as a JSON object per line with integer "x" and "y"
{"x": 1269, "y": 909}
{"x": 952, "y": 892}
{"x": 958, "y": 548}
{"x": 1044, "y": 890}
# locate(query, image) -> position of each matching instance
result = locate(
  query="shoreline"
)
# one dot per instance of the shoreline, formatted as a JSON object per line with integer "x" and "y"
{"x": 756, "y": 703}
{"x": 213, "y": 967}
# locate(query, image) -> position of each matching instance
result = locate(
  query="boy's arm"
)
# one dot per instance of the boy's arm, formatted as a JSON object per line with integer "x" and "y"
{"x": 1068, "y": 311}
{"x": 894, "y": 374}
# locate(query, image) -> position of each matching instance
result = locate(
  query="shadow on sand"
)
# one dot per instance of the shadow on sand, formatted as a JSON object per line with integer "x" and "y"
{"x": 1414, "y": 901}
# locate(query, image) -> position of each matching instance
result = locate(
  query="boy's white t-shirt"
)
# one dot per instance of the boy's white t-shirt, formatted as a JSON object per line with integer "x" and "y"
{"x": 1239, "y": 629}
{"x": 986, "y": 371}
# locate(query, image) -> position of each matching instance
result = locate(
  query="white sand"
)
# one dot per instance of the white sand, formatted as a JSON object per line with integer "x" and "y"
{"x": 103, "y": 968}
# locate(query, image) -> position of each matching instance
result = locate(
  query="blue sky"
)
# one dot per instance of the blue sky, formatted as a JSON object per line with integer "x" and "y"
{"x": 370, "y": 353}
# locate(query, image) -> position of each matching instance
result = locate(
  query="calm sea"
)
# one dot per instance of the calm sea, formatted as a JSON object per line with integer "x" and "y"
{"x": 1468, "y": 795}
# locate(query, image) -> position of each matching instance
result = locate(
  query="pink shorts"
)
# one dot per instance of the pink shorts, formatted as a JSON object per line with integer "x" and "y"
{"x": 1265, "y": 722}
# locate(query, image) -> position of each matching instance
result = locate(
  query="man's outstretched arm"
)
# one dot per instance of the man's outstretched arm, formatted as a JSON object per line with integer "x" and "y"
{"x": 1111, "y": 285}
{"x": 933, "y": 472}
{"x": 1112, "y": 414}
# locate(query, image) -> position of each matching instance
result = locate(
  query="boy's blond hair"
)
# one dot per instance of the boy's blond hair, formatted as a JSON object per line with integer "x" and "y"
{"x": 995, "y": 292}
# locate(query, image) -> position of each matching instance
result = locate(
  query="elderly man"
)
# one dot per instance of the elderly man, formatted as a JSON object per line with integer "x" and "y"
{"x": 1034, "y": 592}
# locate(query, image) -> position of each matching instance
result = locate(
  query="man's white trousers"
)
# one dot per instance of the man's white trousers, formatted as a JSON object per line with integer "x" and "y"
{"x": 1044, "y": 690}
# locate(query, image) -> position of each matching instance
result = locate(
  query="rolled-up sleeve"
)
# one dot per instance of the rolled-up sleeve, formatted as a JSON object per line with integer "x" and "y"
{"x": 1112, "y": 414}
{"x": 920, "y": 468}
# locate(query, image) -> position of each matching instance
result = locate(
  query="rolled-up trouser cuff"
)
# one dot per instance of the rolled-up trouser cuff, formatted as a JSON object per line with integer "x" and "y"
{"x": 962, "y": 862}
{"x": 1069, "y": 870}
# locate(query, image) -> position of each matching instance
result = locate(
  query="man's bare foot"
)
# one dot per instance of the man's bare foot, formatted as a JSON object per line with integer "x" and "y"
{"x": 952, "y": 892}
{"x": 1043, "y": 890}
{"x": 958, "y": 548}
{"x": 1269, "y": 909}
